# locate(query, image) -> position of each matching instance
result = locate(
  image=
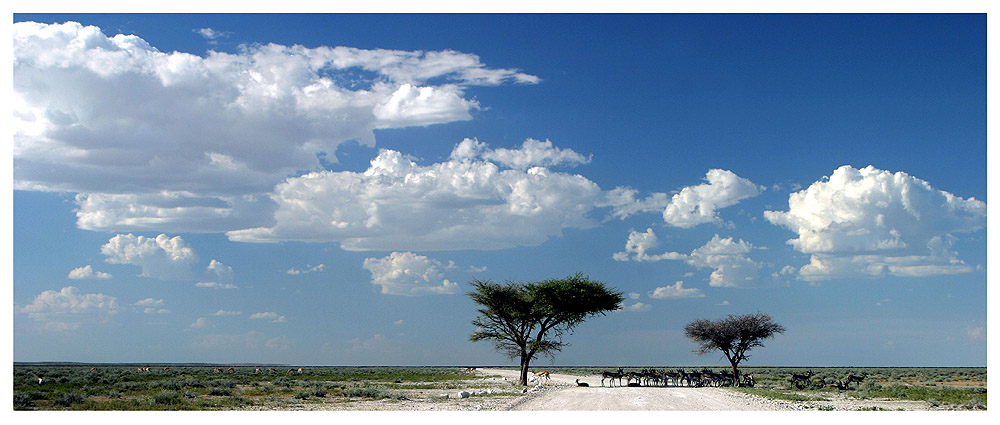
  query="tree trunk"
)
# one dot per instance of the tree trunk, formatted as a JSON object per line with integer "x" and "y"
{"x": 736, "y": 376}
{"x": 524, "y": 368}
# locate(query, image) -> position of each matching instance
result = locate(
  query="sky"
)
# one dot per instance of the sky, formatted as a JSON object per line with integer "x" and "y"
{"x": 320, "y": 189}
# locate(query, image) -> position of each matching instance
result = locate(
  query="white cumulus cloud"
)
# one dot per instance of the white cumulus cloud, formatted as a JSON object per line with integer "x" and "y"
{"x": 173, "y": 141}
{"x": 677, "y": 290}
{"x": 872, "y": 223}
{"x": 728, "y": 257}
{"x": 463, "y": 203}
{"x": 406, "y": 273}
{"x": 87, "y": 272}
{"x": 695, "y": 205}
{"x": 639, "y": 245}
{"x": 269, "y": 316}
{"x": 69, "y": 309}
{"x": 161, "y": 257}
{"x": 308, "y": 269}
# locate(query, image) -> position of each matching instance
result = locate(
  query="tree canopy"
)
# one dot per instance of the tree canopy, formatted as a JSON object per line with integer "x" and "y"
{"x": 733, "y": 335}
{"x": 526, "y": 319}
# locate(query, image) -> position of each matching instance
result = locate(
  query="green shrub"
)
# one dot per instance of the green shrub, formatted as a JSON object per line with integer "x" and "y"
{"x": 22, "y": 401}
{"x": 67, "y": 400}
{"x": 166, "y": 397}
{"x": 220, "y": 391}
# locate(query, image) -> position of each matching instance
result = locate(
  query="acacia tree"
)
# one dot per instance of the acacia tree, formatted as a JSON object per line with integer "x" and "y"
{"x": 526, "y": 319}
{"x": 733, "y": 335}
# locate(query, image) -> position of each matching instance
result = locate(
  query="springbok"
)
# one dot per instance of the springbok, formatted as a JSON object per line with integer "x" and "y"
{"x": 470, "y": 370}
{"x": 542, "y": 374}
{"x": 218, "y": 370}
{"x": 165, "y": 368}
{"x": 230, "y": 370}
{"x": 581, "y": 384}
{"x": 672, "y": 376}
{"x": 93, "y": 369}
{"x": 855, "y": 379}
{"x": 612, "y": 376}
{"x": 800, "y": 381}
{"x": 271, "y": 370}
{"x": 257, "y": 371}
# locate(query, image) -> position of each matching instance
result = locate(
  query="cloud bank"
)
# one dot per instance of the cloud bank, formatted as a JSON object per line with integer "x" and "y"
{"x": 171, "y": 141}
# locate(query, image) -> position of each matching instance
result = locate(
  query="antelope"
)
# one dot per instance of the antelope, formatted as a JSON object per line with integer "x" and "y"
{"x": 93, "y": 369}
{"x": 257, "y": 371}
{"x": 290, "y": 371}
{"x": 470, "y": 370}
{"x": 271, "y": 370}
{"x": 230, "y": 370}
{"x": 218, "y": 370}
{"x": 672, "y": 376}
{"x": 691, "y": 378}
{"x": 39, "y": 381}
{"x": 634, "y": 375}
{"x": 581, "y": 384}
{"x": 800, "y": 381}
{"x": 165, "y": 368}
{"x": 612, "y": 376}
{"x": 857, "y": 379}
{"x": 542, "y": 374}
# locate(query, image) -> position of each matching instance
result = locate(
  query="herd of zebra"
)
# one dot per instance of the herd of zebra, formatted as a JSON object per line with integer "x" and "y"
{"x": 653, "y": 377}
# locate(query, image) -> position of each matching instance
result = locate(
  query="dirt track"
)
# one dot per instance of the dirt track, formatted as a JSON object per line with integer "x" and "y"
{"x": 562, "y": 393}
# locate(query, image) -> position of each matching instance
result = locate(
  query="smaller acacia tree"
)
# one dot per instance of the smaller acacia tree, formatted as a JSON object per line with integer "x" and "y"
{"x": 733, "y": 335}
{"x": 525, "y": 319}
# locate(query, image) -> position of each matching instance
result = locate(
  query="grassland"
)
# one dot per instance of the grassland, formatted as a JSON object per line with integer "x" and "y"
{"x": 205, "y": 387}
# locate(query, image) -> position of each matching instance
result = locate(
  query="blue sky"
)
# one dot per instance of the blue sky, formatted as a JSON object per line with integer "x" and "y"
{"x": 320, "y": 189}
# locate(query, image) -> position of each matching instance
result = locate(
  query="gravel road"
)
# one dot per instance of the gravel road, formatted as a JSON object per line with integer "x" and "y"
{"x": 562, "y": 393}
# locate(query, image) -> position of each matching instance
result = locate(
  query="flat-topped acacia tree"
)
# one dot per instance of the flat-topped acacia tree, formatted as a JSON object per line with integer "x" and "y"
{"x": 733, "y": 335}
{"x": 526, "y": 319}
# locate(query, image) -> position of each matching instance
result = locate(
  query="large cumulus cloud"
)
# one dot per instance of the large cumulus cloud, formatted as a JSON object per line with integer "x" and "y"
{"x": 465, "y": 202}
{"x": 871, "y": 223}
{"x": 180, "y": 142}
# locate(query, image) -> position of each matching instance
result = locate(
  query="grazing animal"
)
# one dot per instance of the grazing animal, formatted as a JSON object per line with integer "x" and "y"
{"x": 470, "y": 370}
{"x": 93, "y": 369}
{"x": 671, "y": 376}
{"x": 634, "y": 375}
{"x": 581, "y": 384}
{"x": 543, "y": 374}
{"x": 612, "y": 376}
{"x": 271, "y": 370}
{"x": 257, "y": 370}
{"x": 230, "y": 370}
{"x": 856, "y": 379}
{"x": 800, "y": 381}
{"x": 39, "y": 381}
{"x": 218, "y": 370}
{"x": 165, "y": 368}
{"x": 290, "y": 371}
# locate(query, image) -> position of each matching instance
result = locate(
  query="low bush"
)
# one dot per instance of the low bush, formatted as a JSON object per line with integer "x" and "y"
{"x": 67, "y": 400}
{"x": 166, "y": 397}
{"x": 22, "y": 401}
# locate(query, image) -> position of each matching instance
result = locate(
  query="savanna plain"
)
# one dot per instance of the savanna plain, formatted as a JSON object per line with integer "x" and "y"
{"x": 77, "y": 386}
